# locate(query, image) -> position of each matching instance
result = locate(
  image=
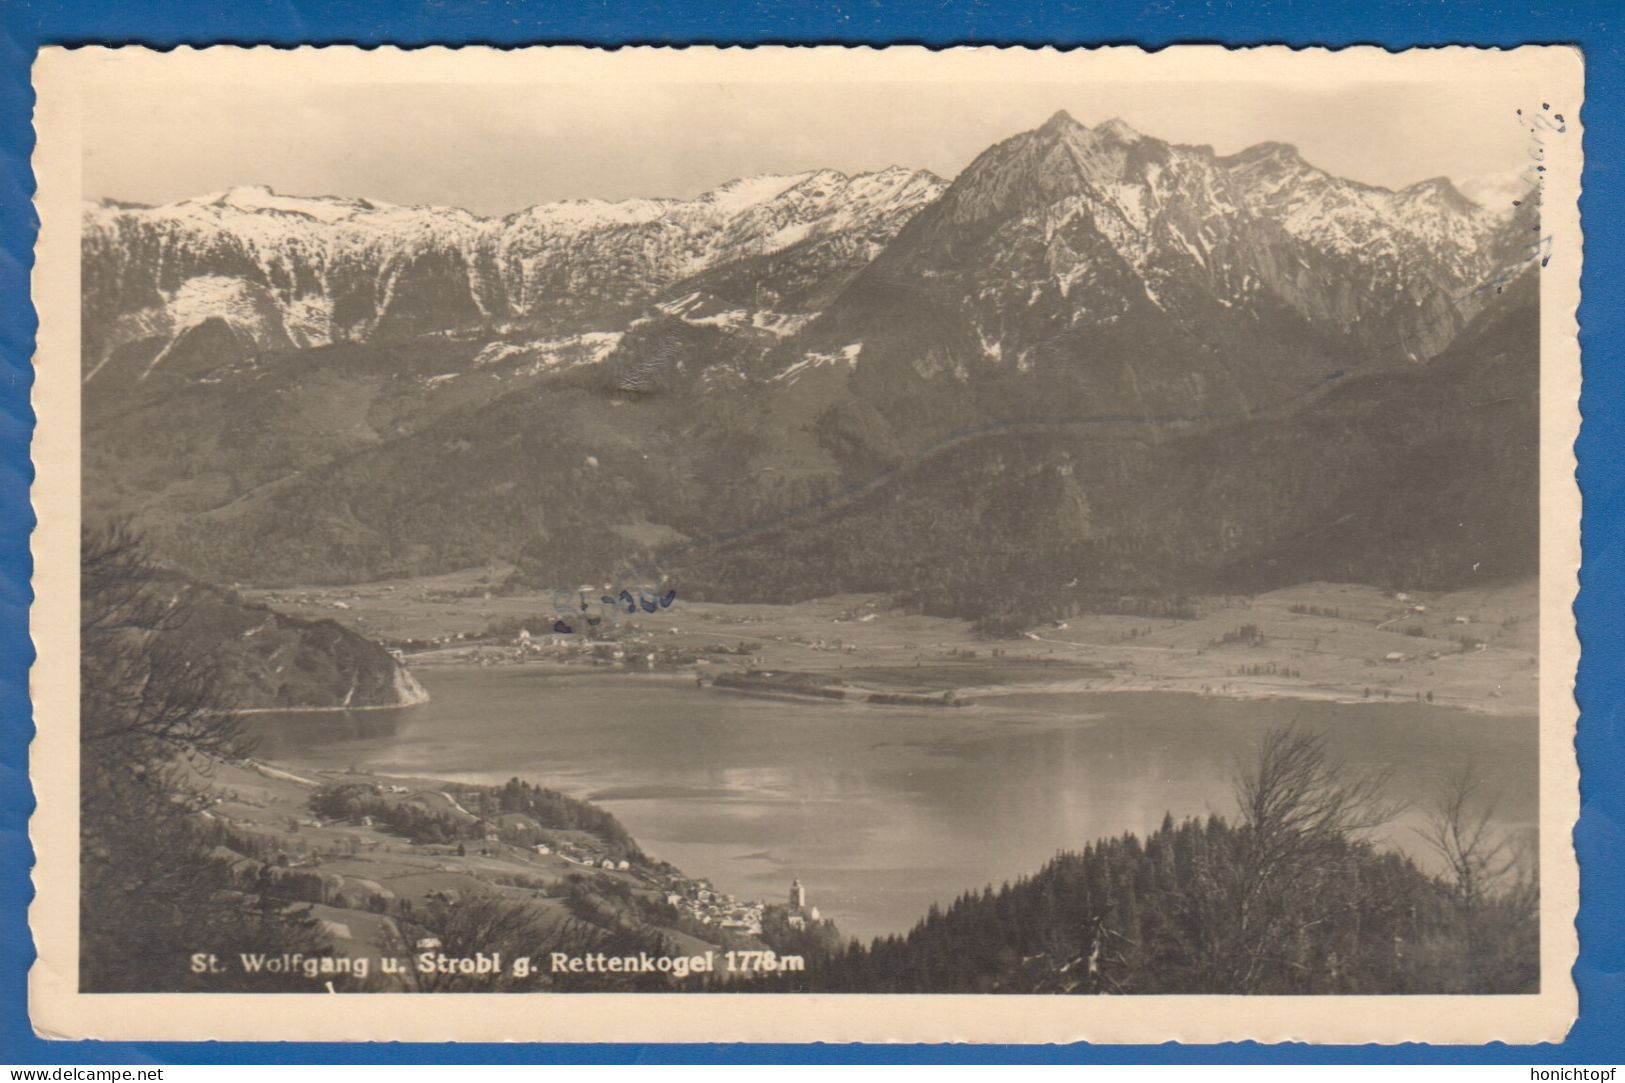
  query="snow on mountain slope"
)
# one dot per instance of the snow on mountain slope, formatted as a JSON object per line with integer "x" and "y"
{"x": 1055, "y": 242}
{"x": 1501, "y": 193}
{"x": 260, "y": 197}
{"x": 1049, "y": 244}
{"x": 333, "y": 269}
{"x": 1427, "y": 229}
{"x": 785, "y": 259}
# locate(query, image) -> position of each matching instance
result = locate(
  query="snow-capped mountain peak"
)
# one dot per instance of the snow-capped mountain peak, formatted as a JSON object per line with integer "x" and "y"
{"x": 1442, "y": 190}
{"x": 319, "y": 269}
{"x": 1048, "y": 233}
{"x": 1064, "y": 233}
{"x": 1059, "y": 121}
{"x": 261, "y": 197}
{"x": 1503, "y": 192}
{"x": 740, "y": 195}
{"x": 1118, "y": 129}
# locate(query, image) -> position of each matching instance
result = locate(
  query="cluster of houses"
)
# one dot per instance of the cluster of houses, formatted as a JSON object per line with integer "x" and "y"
{"x": 636, "y": 650}
{"x": 521, "y": 831}
{"x": 577, "y": 856}
{"x": 626, "y": 645}
{"x": 697, "y": 899}
{"x": 627, "y": 648}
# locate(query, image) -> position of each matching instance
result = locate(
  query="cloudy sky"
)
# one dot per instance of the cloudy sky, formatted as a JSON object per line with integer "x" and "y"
{"x": 497, "y": 148}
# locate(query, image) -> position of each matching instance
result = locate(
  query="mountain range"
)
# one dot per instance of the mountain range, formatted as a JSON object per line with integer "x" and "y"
{"x": 266, "y": 271}
{"x": 1093, "y": 359}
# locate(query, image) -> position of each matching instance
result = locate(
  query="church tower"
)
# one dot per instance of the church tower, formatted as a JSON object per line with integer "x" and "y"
{"x": 798, "y": 897}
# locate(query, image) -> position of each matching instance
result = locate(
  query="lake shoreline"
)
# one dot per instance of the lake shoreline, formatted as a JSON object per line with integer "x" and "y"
{"x": 1243, "y": 691}
{"x": 1229, "y": 688}
{"x": 1240, "y": 689}
{"x": 1474, "y": 649}
{"x": 880, "y": 810}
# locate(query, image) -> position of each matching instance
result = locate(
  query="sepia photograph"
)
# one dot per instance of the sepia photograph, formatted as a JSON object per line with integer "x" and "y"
{"x": 977, "y": 529}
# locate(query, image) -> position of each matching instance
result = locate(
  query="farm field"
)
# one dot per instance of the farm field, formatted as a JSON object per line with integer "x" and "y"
{"x": 1470, "y": 649}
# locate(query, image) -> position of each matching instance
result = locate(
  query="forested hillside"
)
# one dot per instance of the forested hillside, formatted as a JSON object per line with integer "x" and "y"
{"x": 1424, "y": 477}
{"x": 163, "y": 878}
{"x": 253, "y": 657}
{"x": 1290, "y": 898}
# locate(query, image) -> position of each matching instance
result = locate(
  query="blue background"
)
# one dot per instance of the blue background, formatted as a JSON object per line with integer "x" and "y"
{"x": 1598, "y": 1037}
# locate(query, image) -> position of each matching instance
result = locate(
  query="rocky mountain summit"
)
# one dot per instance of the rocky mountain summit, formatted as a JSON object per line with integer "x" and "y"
{"x": 1154, "y": 278}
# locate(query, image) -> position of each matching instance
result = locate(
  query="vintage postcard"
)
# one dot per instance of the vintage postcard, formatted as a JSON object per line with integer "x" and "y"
{"x": 808, "y": 544}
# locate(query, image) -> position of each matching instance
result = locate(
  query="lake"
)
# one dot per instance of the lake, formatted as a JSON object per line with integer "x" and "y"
{"x": 880, "y": 811}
